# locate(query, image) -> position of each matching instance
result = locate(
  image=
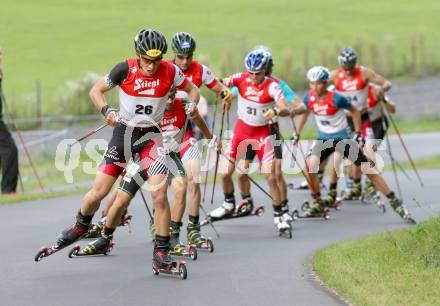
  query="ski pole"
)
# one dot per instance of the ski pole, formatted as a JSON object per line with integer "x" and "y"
{"x": 212, "y": 226}
{"x": 209, "y": 151}
{"x": 146, "y": 205}
{"x": 404, "y": 146}
{"x": 89, "y": 134}
{"x": 393, "y": 166}
{"x": 218, "y": 156}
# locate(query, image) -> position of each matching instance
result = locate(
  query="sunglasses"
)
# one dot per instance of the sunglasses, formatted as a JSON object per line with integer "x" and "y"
{"x": 149, "y": 60}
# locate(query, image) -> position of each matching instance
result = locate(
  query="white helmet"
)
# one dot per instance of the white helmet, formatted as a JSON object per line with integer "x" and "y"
{"x": 318, "y": 73}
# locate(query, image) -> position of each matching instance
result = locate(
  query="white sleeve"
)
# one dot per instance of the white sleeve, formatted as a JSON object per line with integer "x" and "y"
{"x": 207, "y": 76}
{"x": 179, "y": 78}
{"x": 275, "y": 91}
{"x": 230, "y": 81}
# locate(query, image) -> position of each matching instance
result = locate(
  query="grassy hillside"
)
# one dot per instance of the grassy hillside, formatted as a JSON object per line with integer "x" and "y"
{"x": 398, "y": 268}
{"x": 57, "y": 41}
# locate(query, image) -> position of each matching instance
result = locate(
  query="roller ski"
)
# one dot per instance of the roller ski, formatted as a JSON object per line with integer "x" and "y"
{"x": 165, "y": 264}
{"x": 196, "y": 239}
{"x": 227, "y": 211}
{"x": 283, "y": 223}
{"x": 314, "y": 211}
{"x": 396, "y": 204}
{"x": 72, "y": 234}
{"x": 177, "y": 248}
{"x": 101, "y": 246}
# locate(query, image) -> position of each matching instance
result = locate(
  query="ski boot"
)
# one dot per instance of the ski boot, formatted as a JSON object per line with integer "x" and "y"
{"x": 196, "y": 239}
{"x": 96, "y": 229}
{"x": 67, "y": 237}
{"x": 177, "y": 248}
{"x": 354, "y": 193}
{"x": 372, "y": 195}
{"x": 332, "y": 200}
{"x": 164, "y": 263}
{"x": 227, "y": 208}
{"x": 283, "y": 222}
{"x": 396, "y": 204}
{"x": 245, "y": 207}
{"x": 100, "y": 246}
{"x": 314, "y": 211}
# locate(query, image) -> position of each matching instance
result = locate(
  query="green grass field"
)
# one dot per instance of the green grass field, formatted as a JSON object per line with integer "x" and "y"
{"x": 57, "y": 41}
{"x": 394, "y": 268}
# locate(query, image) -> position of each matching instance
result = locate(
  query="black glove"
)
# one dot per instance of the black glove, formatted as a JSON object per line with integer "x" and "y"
{"x": 107, "y": 109}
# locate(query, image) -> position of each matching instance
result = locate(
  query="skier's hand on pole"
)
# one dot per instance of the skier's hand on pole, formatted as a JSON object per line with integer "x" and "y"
{"x": 111, "y": 115}
{"x": 295, "y": 138}
{"x": 226, "y": 95}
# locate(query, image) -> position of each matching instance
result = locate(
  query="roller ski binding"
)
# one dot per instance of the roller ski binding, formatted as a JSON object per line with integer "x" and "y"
{"x": 196, "y": 239}
{"x": 314, "y": 211}
{"x": 396, "y": 204}
{"x": 178, "y": 249}
{"x": 75, "y": 232}
{"x": 165, "y": 264}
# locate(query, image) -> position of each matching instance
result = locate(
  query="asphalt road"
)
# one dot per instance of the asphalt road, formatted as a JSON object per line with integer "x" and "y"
{"x": 251, "y": 265}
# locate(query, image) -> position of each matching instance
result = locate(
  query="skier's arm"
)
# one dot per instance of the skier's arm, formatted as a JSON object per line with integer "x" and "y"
{"x": 376, "y": 78}
{"x": 389, "y": 105}
{"x": 356, "y": 117}
{"x": 198, "y": 120}
{"x": 192, "y": 91}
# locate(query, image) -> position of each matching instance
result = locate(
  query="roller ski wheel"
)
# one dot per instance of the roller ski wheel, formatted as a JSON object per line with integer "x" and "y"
{"x": 305, "y": 206}
{"x": 44, "y": 252}
{"x": 207, "y": 244}
{"x": 296, "y": 215}
{"x": 190, "y": 253}
{"x": 76, "y": 251}
{"x": 177, "y": 268}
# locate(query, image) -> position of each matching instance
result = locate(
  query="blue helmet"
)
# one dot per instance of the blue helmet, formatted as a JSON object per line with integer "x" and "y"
{"x": 318, "y": 74}
{"x": 256, "y": 60}
{"x": 269, "y": 55}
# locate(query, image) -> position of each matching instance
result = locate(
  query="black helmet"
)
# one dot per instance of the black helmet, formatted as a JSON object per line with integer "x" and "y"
{"x": 183, "y": 43}
{"x": 347, "y": 58}
{"x": 150, "y": 43}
